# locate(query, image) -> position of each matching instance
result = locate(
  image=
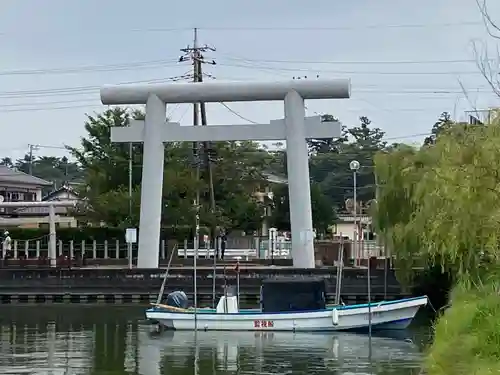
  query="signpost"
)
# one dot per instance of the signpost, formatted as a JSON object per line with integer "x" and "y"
{"x": 130, "y": 238}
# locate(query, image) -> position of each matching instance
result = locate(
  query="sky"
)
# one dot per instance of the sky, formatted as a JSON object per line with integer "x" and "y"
{"x": 408, "y": 61}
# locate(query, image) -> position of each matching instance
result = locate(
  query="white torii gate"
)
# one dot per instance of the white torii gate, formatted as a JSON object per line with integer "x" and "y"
{"x": 52, "y": 221}
{"x": 295, "y": 129}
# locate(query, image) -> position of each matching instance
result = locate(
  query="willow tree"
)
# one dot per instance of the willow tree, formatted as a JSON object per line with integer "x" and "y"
{"x": 441, "y": 204}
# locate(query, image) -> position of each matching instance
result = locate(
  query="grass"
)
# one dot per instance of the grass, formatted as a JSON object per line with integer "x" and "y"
{"x": 467, "y": 335}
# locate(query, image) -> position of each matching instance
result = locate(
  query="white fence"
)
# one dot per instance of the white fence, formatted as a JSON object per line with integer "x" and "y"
{"x": 116, "y": 249}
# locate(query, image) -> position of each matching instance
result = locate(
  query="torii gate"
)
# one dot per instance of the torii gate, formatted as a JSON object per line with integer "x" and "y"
{"x": 295, "y": 129}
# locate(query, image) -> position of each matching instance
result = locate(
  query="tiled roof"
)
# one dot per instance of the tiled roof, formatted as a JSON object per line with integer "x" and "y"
{"x": 62, "y": 189}
{"x": 275, "y": 179}
{"x": 14, "y": 176}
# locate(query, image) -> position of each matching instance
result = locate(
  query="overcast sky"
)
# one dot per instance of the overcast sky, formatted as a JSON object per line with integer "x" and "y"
{"x": 427, "y": 43}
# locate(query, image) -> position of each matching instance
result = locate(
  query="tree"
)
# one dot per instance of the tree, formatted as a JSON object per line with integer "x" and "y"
{"x": 7, "y": 162}
{"x": 331, "y": 169}
{"x": 324, "y": 145}
{"x": 443, "y": 124}
{"x": 441, "y": 204}
{"x": 57, "y": 170}
{"x": 323, "y": 211}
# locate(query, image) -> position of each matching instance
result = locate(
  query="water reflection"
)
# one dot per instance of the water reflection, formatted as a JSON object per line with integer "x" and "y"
{"x": 109, "y": 340}
{"x": 263, "y": 353}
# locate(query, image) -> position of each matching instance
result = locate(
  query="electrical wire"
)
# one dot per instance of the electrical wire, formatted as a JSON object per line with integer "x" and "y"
{"x": 85, "y": 89}
{"x": 154, "y": 64}
{"x": 237, "y": 114}
{"x": 346, "y": 62}
{"x": 340, "y": 28}
{"x": 55, "y": 108}
{"x": 351, "y": 72}
{"x": 269, "y": 28}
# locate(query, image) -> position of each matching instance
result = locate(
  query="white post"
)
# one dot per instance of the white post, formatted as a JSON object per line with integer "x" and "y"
{"x": 357, "y": 250}
{"x": 299, "y": 189}
{"x": 152, "y": 184}
{"x": 354, "y": 166}
{"x": 129, "y": 255}
{"x": 52, "y": 237}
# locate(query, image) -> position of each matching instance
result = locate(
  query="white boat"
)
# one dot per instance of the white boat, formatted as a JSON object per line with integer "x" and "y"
{"x": 282, "y": 312}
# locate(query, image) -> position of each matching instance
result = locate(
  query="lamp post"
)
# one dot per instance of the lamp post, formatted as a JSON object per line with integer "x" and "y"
{"x": 354, "y": 166}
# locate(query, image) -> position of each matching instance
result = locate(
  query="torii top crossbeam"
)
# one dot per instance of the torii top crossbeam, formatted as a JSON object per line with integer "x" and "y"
{"x": 173, "y": 93}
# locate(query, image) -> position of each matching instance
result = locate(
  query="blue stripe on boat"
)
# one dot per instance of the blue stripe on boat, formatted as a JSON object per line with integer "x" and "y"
{"x": 258, "y": 312}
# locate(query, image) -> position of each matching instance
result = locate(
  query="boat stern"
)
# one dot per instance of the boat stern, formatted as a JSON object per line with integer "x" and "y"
{"x": 156, "y": 315}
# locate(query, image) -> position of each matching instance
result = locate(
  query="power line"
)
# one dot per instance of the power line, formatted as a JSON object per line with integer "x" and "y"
{"x": 78, "y": 90}
{"x": 81, "y": 101}
{"x": 92, "y": 68}
{"x": 267, "y": 28}
{"x": 351, "y": 72}
{"x": 355, "y": 62}
{"x": 339, "y": 28}
{"x": 55, "y": 108}
{"x": 238, "y": 114}
{"x": 155, "y": 64}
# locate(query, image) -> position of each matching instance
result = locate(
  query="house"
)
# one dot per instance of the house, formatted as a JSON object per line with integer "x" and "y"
{"x": 346, "y": 225}
{"x": 17, "y": 186}
{"x": 38, "y": 216}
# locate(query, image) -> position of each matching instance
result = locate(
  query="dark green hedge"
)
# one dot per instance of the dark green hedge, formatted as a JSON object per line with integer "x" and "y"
{"x": 99, "y": 234}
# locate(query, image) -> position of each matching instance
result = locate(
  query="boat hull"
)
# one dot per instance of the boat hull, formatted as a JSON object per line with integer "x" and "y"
{"x": 387, "y": 315}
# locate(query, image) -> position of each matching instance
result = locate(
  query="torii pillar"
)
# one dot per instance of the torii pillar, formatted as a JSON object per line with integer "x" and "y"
{"x": 154, "y": 131}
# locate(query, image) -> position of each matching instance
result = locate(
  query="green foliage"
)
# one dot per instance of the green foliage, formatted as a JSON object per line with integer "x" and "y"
{"x": 467, "y": 335}
{"x": 443, "y": 124}
{"x": 323, "y": 212}
{"x": 440, "y": 203}
{"x": 329, "y": 166}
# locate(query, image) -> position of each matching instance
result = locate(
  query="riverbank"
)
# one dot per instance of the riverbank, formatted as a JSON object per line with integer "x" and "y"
{"x": 467, "y": 335}
{"x": 122, "y": 285}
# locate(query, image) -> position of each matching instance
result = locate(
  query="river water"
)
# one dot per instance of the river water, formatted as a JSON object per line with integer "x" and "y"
{"x": 72, "y": 340}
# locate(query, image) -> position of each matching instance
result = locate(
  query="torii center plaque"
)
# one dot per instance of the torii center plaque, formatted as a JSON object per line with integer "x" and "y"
{"x": 295, "y": 129}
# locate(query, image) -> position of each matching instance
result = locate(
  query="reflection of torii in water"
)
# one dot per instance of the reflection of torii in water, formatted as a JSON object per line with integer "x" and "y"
{"x": 330, "y": 350}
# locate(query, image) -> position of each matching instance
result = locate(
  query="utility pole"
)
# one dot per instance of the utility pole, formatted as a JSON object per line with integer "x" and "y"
{"x": 30, "y": 155}
{"x": 195, "y": 55}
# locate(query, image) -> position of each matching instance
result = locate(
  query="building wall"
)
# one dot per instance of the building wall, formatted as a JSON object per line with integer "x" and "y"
{"x": 347, "y": 230}
{"x": 15, "y": 193}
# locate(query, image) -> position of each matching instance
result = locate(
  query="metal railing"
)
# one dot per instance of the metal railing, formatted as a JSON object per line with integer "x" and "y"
{"x": 116, "y": 249}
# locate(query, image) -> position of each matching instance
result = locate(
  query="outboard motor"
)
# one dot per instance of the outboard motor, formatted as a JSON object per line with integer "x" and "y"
{"x": 178, "y": 299}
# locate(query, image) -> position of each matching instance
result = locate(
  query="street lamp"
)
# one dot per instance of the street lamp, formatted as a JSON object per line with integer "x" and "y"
{"x": 354, "y": 166}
